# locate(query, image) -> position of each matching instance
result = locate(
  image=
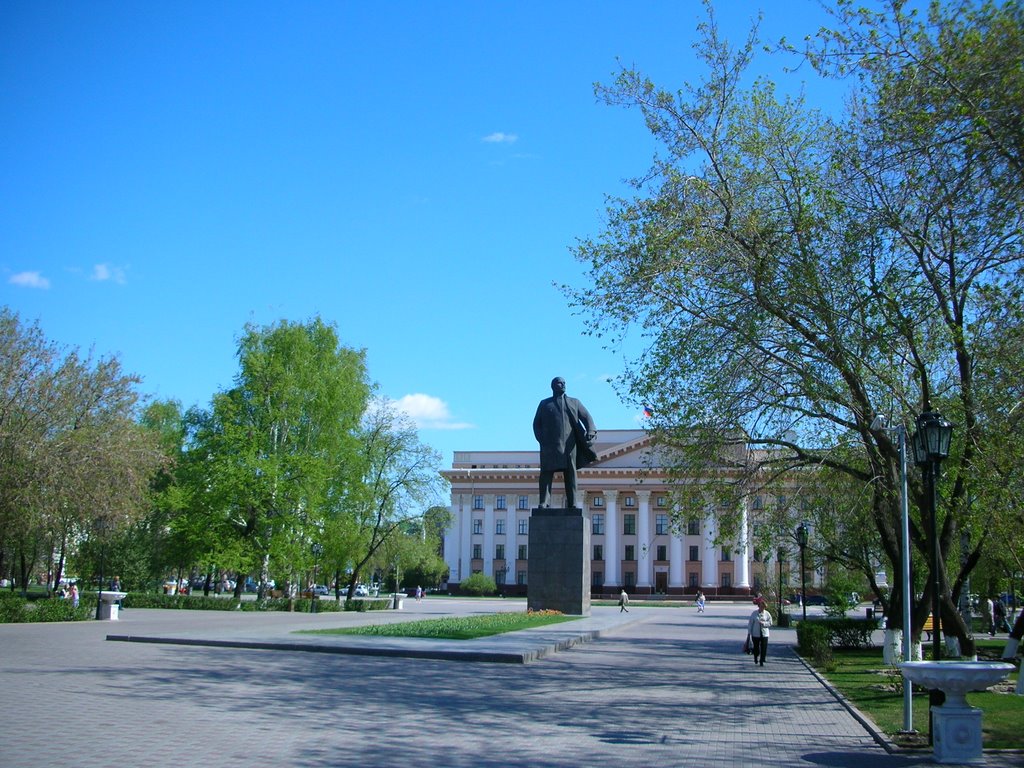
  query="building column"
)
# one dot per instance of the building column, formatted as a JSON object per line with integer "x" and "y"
{"x": 489, "y": 534}
{"x": 511, "y": 550}
{"x": 612, "y": 556}
{"x": 645, "y": 557}
{"x": 452, "y": 553}
{"x": 743, "y": 552}
{"x": 709, "y": 555}
{"x": 676, "y": 561}
{"x": 465, "y": 518}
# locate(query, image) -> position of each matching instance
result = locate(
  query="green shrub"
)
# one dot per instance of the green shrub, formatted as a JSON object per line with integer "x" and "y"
{"x": 15, "y": 609}
{"x": 478, "y": 584}
{"x": 12, "y": 608}
{"x": 57, "y": 609}
{"x": 813, "y": 640}
{"x": 850, "y": 633}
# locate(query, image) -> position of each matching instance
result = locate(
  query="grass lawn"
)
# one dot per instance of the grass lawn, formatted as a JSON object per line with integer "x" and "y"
{"x": 454, "y": 628}
{"x": 877, "y": 691}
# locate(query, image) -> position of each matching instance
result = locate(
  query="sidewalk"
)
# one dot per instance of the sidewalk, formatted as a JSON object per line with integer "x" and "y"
{"x": 654, "y": 687}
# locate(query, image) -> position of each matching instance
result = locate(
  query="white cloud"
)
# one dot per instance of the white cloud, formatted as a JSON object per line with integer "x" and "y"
{"x": 104, "y": 272}
{"x": 30, "y": 280}
{"x": 499, "y": 137}
{"x": 429, "y": 412}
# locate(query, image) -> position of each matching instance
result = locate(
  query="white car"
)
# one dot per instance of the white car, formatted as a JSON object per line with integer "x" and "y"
{"x": 362, "y": 590}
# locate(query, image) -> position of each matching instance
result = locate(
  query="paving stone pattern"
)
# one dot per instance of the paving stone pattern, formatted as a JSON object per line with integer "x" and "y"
{"x": 659, "y": 687}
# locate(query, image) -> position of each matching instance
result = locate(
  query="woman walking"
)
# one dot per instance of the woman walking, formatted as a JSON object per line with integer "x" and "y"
{"x": 758, "y": 628}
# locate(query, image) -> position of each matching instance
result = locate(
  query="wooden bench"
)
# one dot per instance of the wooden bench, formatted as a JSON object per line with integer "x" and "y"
{"x": 929, "y": 626}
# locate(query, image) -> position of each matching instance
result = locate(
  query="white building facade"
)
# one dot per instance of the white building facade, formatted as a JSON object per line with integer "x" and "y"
{"x": 636, "y": 544}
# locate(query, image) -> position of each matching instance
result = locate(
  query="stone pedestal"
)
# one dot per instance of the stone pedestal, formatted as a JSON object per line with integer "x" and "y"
{"x": 956, "y": 735}
{"x": 559, "y": 562}
{"x": 109, "y": 605}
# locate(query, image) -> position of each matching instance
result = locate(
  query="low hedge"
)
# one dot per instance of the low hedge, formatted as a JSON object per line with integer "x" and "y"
{"x": 817, "y": 637}
{"x": 14, "y": 609}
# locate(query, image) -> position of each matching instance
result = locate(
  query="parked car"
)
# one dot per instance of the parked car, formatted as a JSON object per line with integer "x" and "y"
{"x": 320, "y": 589}
{"x": 362, "y": 590}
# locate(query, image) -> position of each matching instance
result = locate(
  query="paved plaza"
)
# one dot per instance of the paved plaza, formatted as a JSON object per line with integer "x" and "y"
{"x": 652, "y": 687}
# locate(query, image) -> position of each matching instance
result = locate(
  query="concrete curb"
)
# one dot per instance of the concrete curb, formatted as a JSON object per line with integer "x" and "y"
{"x": 525, "y": 646}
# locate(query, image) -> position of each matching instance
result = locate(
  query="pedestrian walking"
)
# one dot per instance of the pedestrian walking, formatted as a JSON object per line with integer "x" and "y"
{"x": 999, "y": 623}
{"x": 623, "y": 602}
{"x": 758, "y": 629}
{"x": 989, "y": 616}
{"x": 700, "y": 602}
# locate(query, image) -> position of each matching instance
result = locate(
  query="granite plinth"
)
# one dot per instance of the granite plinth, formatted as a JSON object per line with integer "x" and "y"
{"x": 559, "y": 561}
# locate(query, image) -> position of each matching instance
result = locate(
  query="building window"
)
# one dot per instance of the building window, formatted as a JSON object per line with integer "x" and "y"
{"x": 629, "y": 525}
{"x": 524, "y": 526}
{"x": 597, "y": 524}
{"x": 522, "y": 552}
{"x": 521, "y": 577}
{"x": 478, "y": 502}
{"x": 693, "y": 528}
{"x": 693, "y": 579}
{"x": 499, "y": 502}
{"x": 630, "y": 552}
{"x": 499, "y": 551}
{"x": 597, "y": 579}
{"x": 695, "y": 553}
{"x": 726, "y": 554}
{"x": 726, "y": 579}
{"x": 597, "y": 502}
{"x": 599, "y": 552}
{"x": 781, "y": 501}
{"x": 630, "y": 501}
{"x": 758, "y": 502}
{"x": 629, "y": 578}
{"x": 524, "y": 502}
{"x": 478, "y": 525}
{"x": 499, "y": 525}
{"x": 661, "y": 524}
{"x": 662, "y": 552}
{"x": 477, "y": 551}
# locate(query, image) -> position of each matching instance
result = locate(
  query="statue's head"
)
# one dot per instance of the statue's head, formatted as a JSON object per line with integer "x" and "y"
{"x": 558, "y": 385}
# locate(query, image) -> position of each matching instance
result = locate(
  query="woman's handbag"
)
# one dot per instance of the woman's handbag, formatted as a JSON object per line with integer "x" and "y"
{"x": 746, "y": 645}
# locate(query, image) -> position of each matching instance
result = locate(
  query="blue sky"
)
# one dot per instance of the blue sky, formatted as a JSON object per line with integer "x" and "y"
{"x": 415, "y": 173}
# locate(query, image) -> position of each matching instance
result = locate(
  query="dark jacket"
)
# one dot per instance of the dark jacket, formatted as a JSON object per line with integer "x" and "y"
{"x": 560, "y": 428}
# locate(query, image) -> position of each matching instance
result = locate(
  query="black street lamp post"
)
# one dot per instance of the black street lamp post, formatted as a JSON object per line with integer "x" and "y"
{"x": 801, "y": 539}
{"x": 101, "y": 530}
{"x": 782, "y": 554}
{"x": 317, "y": 551}
{"x": 931, "y": 445}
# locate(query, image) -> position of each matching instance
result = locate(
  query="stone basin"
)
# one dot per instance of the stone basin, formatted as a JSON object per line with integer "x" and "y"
{"x": 956, "y": 678}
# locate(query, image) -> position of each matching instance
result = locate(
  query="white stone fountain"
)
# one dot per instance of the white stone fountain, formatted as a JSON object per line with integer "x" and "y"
{"x": 956, "y": 726}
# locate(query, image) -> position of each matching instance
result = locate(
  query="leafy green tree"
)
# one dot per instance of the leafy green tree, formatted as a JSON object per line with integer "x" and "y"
{"x": 71, "y": 449}
{"x": 399, "y": 476}
{"x": 263, "y": 461}
{"x": 795, "y": 276}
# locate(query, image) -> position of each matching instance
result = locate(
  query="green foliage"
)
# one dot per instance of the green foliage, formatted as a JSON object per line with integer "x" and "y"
{"x": 367, "y": 604}
{"x": 817, "y": 637}
{"x": 15, "y": 609}
{"x": 813, "y": 640}
{"x": 12, "y": 608}
{"x": 793, "y": 275}
{"x": 478, "y": 584}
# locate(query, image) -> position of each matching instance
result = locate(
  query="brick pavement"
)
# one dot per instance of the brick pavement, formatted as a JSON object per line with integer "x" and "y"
{"x": 668, "y": 688}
